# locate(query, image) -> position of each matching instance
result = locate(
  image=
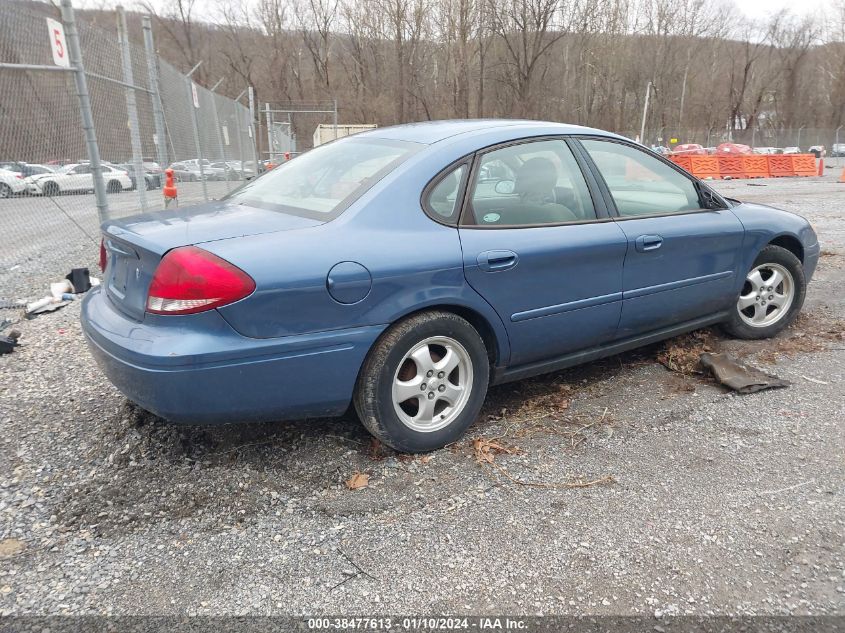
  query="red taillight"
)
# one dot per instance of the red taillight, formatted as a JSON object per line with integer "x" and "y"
{"x": 190, "y": 280}
{"x": 104, "y": 258}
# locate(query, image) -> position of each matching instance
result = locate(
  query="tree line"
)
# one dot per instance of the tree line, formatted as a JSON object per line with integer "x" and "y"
{"x": 708, "y": 68}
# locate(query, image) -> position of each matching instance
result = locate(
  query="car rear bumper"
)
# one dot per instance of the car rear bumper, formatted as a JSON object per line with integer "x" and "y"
{"x": 196, "y": 369}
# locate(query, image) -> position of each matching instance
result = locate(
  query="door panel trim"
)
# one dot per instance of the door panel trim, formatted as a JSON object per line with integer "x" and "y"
{"x": 673, "y": 285}
{"x": 569, "y": 306}
{"x": 521, "y": 372}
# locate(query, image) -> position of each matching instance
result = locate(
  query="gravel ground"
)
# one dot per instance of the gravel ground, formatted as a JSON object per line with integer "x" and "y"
{"x": 626, "y": 488}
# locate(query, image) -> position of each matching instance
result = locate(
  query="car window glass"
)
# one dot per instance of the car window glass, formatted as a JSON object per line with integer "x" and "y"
{"x": 443, "y": 198}
{"x": 641, "y": 184}
{"x": 325, "y": 180}
{"x": 81, "y": 169}
{"x": 530, "y": 184}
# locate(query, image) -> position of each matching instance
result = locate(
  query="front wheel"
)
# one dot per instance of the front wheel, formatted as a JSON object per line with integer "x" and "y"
{"x": 771, "y": 296}
{"x": 5, "y": 190}
{"x": 423, "y": 383}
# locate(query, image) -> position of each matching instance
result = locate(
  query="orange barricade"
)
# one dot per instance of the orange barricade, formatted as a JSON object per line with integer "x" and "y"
{"x": 704, "y": 166}
{"x": 755, "y": 166}
{"x": 804, "y": 164}
{"x": 684, "y": 162}
{"x": 780, "y": 165}
{"x": 730, "y": 166}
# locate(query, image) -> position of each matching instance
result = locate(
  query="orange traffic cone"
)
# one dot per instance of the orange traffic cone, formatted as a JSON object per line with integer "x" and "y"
{"x": 821, "y": 166}
{"x": 842, "y": 177}
{"x": 169, "y": 189}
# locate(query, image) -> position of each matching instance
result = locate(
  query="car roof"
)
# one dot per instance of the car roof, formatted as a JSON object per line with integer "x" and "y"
{"x": 429, "y": 132}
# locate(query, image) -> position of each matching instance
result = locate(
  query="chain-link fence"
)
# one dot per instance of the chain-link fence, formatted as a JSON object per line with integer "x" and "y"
{"x": 89, "y": 121}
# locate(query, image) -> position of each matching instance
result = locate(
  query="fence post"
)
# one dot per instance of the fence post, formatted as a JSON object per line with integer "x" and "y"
{"x": 155, "y": 96}
{"x": 252, "y": 132}
{"x": 269, "y": 131}
{"x": 75, "y": 58}
{"x": 132, "y": 109}
{"x": 189, "y": 84}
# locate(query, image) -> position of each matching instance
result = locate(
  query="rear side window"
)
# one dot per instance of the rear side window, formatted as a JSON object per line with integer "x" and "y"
{"x": 321, "y": 183}
{"x": 442, "y": 202}
{"x": 639, "y": 183}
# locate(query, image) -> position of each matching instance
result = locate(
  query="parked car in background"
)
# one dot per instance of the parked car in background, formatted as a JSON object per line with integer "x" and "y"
{"x": 690, "y": 149}
{"x": 732, "y": 148}
{"x": 661, "y": 149}
{"x": 11, "y": 183}
{"x": 25, "y": 169}
{"x": 381, "y": 271}
{"x": 224, "y": 171}
{"x": 75, "y": 178}
{"x": 768, "y": 150}
{"x": 152, "y": 180}
{"x": 186, "y": 172}
{"x": 816, "y": 150}
{"x": 792, "y": 150}
{"x": 837, "y": 150}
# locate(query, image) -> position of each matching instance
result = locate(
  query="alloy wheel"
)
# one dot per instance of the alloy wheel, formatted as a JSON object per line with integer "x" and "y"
{"x": 766, "y": 296}
{"x": 432, "y": 384}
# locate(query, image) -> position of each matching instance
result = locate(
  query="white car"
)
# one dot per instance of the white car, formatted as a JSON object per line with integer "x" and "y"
{"x": 11, "y": 182}
{"x": 77, "y": 177}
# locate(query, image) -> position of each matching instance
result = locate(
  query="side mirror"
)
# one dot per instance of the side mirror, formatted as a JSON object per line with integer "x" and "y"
{"x": 505, "y": 187}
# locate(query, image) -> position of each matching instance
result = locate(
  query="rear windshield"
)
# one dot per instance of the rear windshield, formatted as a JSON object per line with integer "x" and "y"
{"x": 324, "y": 181}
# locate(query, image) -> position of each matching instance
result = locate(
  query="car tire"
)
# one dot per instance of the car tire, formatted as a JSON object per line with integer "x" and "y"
{"x": 5, "y": 190}
{"x": 50, "y": 189}
{"x": 450, "y": 398}
{"x": 767, "y": 305}
{"x": 114, "y": 186}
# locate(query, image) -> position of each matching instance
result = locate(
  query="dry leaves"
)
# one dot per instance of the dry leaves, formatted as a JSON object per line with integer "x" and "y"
{"x": 486, "y": 449}
{"x": 682, "y": 353}
{"x": 358, "y": 480}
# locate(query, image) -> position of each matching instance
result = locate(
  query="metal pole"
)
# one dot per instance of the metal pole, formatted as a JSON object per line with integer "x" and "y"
{"x": 189, "y": 84}
{"x": 645, "y": 112}
{"x": 252, "y": 133}
{"x": 75, "y": 57}
{"x": 238, "y": 135}
{"x": 334, "y": 119}
{"x": 269, "y": 132}
{"x": 132, "y": 109}
{"x": 155, "y": 96}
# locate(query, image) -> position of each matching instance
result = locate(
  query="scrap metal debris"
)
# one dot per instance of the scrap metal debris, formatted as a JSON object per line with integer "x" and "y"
{"x": 8, "y": 343}
{"x": 738, "y": 377}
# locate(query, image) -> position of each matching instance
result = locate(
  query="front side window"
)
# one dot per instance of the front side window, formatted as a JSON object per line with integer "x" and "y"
{"x": 641, "y": 184}
{"x": 322, "y": 182}
{"x": 530, "y": 184}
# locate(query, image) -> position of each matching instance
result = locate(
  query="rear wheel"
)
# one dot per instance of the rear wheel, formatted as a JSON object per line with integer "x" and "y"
{"x": 5, "y": 190}
{"x": 114, "y": 186}
{"x": 50, "y": 189}
{"x": 771, "y": 296}
{"x": 423, "y": 383}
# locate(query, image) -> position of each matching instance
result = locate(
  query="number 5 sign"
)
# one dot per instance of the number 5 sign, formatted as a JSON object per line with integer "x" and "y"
{"x": 57, "y": 43}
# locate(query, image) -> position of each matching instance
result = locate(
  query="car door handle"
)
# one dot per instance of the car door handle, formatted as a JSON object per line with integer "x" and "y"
{"x": 494, "y": 261}
{"x": 648, "y": 243}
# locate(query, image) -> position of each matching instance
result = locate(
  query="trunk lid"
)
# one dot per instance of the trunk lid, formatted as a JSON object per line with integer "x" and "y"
{"x": 135, "y": 245}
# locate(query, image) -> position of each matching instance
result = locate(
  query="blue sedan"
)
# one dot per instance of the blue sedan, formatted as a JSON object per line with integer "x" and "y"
{"x": 406, "y": 269}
